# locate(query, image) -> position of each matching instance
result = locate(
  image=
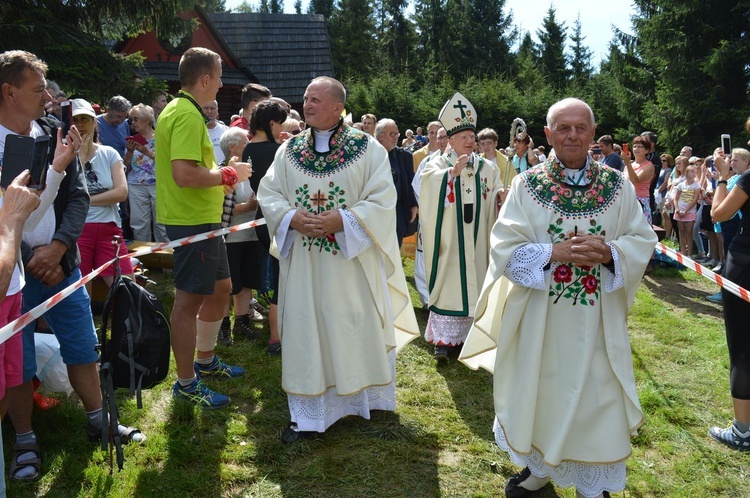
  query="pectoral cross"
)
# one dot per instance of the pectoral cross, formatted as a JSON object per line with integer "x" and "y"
{"x": 461, "y": 108}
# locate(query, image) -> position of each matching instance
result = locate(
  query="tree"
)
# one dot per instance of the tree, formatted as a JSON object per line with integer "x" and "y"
{"x": 70, "y": 37}
{"x": 431, "y": 20}
{"x": 397, "y": 36}
{"x": 264, "y": 7}
{"x": 352, "y": 29}
{"x": 212, "y": 6}
{"x": 324, "y": 7}
{"x": 298, "y": 6}
{"x": 246, "y": 8}
{"x": 494, "y": 38}
{"x": 552, "y": 50}
{"x": 580, "y": 60}
{"x": 277, "y": 6}
{"x": 689, "y": 63}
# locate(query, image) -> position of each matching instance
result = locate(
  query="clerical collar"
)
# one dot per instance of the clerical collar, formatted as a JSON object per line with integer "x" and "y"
{"x": 187, "y": 96}
{"x": 576, "y": 177}
{"x": 322, "y": 138}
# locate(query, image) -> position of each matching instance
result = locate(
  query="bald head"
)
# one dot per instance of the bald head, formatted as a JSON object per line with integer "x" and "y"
{"x": 567, "y": 104}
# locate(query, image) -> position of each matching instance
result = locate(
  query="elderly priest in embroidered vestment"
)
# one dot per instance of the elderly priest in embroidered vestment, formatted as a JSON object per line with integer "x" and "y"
{"x": 568, "y": 253}
{"x": 344, "y": 309}
{"x": 458, "y": 195}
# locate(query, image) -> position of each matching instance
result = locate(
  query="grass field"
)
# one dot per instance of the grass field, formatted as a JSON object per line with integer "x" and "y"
{"x": 439, "y": 443}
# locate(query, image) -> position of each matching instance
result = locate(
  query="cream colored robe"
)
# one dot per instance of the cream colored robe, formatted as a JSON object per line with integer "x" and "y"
{"x": 563, "y": 373}
{"x": 456, "y": 253}
{"x": 338, "y": 317}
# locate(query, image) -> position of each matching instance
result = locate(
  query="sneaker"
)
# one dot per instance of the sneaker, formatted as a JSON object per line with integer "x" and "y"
{"x": 715, "y": 298}
{"x": 274, "y": 348}
{"x": 711, "y": 263}
{"x": 199, "y": 394}
{"x": 731, "y": 437}
{"x": 225, "y": 333}
{"x": 259, "y": 307}
{"x": 718, "y": 268}
{"x": 218, "y": 368}
{"x": 255, "y": 316}
{"x": 243, "y": 329}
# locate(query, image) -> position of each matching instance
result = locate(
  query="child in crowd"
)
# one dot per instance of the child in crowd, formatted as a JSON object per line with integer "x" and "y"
{"x": 687, "y": 195}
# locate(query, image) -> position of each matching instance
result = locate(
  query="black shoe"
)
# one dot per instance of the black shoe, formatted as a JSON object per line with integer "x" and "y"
{"x": 455, "y": 351}
{"x": 292, "y": 435}
{"x": 441, "y": 353}
{"x": 274, "y": 349}
{"x": 242, "y": 328}
{"x": 514, "y": 490}
{"x": 225, "y": 333}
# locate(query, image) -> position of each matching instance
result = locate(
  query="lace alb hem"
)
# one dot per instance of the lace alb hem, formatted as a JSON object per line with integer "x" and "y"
{"x": 526, "y": 266}
{"x": 589, "y": 479}
{"x": 450, "y": 330}
{"x": 318, "y": 413}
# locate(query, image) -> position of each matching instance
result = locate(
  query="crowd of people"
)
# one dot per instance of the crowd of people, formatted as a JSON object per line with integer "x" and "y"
{"x": 520, "y": 254}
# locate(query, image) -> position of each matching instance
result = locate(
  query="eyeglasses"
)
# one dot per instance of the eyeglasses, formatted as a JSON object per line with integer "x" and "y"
{"x": 394, "y": 134}
{"x": 90, "y": 174}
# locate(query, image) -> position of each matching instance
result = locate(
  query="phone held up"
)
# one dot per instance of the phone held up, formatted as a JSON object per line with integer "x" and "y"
{"x": 726, "y": 144}
{"x": 626, "y": 148}
{"x": 67, "y": 119}
{"x": 25, "y": 153}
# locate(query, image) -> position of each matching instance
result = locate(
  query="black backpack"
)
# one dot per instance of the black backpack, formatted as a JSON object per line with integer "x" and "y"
{"x": 136, "y": 353}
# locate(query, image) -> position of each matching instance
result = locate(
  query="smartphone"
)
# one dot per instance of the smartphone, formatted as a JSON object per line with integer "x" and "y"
{"x": 67, "y": 118}
{"x": 626, "y": 149}
{"x": 25, "y": 153}
{"x": 596, "y": 150}
{"x": 138, "y": 138}
{"x": 726, "y": 144}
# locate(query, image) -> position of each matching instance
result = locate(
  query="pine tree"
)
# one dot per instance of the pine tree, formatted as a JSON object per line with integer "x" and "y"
{"x": 552, "y": 50}
{"x": 277, "y": 6}
{"x": 324, "y": 7}
{"x": 351, "y": 29}
{"x": 580, "y": 60}
{"x": 298, "y": 6}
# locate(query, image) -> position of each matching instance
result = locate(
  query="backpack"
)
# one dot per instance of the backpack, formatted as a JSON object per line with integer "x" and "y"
{"x": 136, "y": 354}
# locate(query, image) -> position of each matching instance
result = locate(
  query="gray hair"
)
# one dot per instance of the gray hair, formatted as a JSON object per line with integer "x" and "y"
{"x": 118, "y": 103}
{"x": 143, "y": 111}
{"x": 380, "y": 126}
{"x": 230, "y": 138}
{"x": 552, "y": 113}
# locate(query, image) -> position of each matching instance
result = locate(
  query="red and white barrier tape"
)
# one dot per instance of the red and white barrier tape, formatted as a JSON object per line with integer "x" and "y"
{"x": 702, "y": 270}
{"x": 25, "y": 319}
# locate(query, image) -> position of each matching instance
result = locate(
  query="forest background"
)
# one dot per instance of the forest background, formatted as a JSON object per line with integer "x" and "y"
{"x": 683, "y": 72}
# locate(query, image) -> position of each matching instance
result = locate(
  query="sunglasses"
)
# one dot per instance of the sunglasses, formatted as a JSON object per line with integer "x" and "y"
{"x": 90, "y": 174}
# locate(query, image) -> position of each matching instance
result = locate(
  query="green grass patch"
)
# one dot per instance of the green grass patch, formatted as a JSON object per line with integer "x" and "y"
{"x": 439, "y": 443}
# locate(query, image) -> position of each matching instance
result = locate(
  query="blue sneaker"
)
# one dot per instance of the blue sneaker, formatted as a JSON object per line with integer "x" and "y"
{"x": 199, "y": 394}
{"x": 218, "y": 368}
{"x": 715, "y": 298}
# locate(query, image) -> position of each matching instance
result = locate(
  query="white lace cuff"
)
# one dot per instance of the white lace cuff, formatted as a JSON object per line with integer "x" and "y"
{"x": 614, "y": 280}
{"x": 526, "y": 266}
{"x": 353, "y": 240}
{"x": 285, "y": 234}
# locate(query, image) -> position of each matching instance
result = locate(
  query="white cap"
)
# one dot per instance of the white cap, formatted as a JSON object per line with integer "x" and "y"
{"x": 81, "y": 106}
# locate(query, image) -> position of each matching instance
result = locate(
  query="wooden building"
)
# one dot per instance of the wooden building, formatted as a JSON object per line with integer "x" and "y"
{"x": 280, "y": 51}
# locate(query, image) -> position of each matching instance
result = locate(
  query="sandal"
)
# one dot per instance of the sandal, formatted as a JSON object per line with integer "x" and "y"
{"x": 35, "y": 463}
{"x": 126, "y": 436}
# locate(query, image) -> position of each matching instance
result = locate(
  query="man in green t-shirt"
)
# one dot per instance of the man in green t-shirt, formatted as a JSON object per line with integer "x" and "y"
{"x": 189, "y": 195}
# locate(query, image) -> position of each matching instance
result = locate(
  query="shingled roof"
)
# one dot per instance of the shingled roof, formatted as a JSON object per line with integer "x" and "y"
{"x": 284, "y": 51}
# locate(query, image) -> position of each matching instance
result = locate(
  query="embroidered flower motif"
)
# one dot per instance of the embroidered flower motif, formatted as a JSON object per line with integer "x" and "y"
{"x": 590, "y": 284}
{"x": 563, "y": 273}
{"x": 347, "y": 145}
{"x": 332, "y": 238}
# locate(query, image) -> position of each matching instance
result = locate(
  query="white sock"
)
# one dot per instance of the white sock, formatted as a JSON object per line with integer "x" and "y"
{"x": 534, "y": 483}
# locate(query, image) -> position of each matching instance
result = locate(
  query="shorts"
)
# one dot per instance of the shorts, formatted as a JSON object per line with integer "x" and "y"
{"x": 706, "y": 223}
{"x": 11, "y": 351}
{"x": 96, "y": 248}
{"x": 70, "y": 320}
{"x": 199, "y": 265}
{"x": 245, "y": 265}
{"x": 689, "y": 216}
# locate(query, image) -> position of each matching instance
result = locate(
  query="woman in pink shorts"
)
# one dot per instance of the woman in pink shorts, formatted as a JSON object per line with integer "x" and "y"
{"x": 107, "y": 185}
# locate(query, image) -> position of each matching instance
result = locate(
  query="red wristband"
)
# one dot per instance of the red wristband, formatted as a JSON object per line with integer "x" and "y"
{"x": 228, "y": 176}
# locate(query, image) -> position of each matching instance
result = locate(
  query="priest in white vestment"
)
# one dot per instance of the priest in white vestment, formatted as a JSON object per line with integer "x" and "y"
{"x": 567, "y": 255}
{"x": 343, "y": 307}
{"x": 459, "y": 203}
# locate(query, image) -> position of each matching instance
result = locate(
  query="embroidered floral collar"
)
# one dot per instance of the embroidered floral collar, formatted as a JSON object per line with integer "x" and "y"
{"x": 346, "y": 146}
{"x": 598, "y": 187}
